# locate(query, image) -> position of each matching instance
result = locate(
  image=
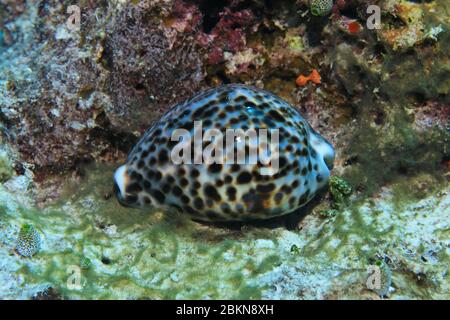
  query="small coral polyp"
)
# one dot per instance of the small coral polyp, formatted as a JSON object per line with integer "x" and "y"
{"x": 29, "y": 241}
{"x": 320, "y": 7}
{"x": 340, "y": 191}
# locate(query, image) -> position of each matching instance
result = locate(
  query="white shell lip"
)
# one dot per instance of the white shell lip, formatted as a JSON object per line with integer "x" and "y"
{"x": 323, "y": 149}
{"x": 121, "y": 179}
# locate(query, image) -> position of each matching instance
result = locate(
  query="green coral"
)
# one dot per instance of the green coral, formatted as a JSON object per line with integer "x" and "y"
{"x": 29, "y": 241}
{"x": 320, "y": 7}
{"x": 330, "y": 213}
{"x": 340, "y": 191}
{"x": 85, "y": 263}
{"x": 295, "y": 249}
{"x": 295, "y": 43}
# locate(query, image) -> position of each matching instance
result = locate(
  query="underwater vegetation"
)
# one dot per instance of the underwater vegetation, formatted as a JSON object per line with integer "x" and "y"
{"x": 6, "y": 171}
{"x": 74, "y": 102}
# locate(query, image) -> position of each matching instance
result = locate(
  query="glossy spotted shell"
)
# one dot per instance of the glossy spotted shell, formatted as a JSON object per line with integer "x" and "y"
{"x": 223, "y": 192}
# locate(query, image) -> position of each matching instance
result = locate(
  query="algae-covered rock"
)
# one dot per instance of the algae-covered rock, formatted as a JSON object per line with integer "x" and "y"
{"x": 95, "y": 249}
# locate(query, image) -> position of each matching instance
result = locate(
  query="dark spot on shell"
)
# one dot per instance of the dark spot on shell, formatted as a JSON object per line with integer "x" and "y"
{"x": 185, "y": 199}
{"x": 198, "y": 204}
{"x": 158, "y": 195}
{"x": 131, "y": 199}
{"x": 211, "y": 192}
{"x": 235, "y": 167}
{"x": 219, "y": 183}
{"x": 152, "y": 161}
{"x": 278, "y": 197}
{"x": 134, "y": 188}
{"x": 234, "y": 120}
{"x": 215, "y": 168}
{"x": 147, "y": 200}
{"x": 163, "y": 157}
{"x": 190, "y": 210}
{"x": 166, "y": 188}
{"x": 195, "y": 173}
{"x": 212, "y": 215}
{"x": 229, "y": 108}
{"x": 286, "y": 189}
{"x": 188, "y": 125}
{"x": 304, "y": 152}
{"x": 225, "y": 207}
{"x": 291, "y": 202}
{"x": 282, "y": 162}
{"x": 244, "y": 177}
{"x": 265, "y": 188}
{"x": 231, "y": 193}
{"x": 240, "y": 208}
{"x": 177, "y": 191}
{"x": 184, "y": 182}
{"x": 276, "y": 115}
{"x": 254, "y": 202}
{"x": 136, "y": 176}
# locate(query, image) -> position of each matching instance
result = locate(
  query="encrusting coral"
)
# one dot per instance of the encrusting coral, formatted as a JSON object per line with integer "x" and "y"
{"x": 321, "y": 7}
{"x": 340, "y": 191}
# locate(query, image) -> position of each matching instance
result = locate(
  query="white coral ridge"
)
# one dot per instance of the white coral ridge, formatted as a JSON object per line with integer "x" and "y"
{"x": 434, "y": 32}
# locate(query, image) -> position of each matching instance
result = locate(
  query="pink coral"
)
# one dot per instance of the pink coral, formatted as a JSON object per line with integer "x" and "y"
{"x": 229, "y": 34}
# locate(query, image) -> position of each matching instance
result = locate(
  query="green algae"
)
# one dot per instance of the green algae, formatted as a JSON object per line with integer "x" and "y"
{"x": 128, "y": 254}
{"x": 295, "y": 42}
{"x": 6, "y": 170}
{"x": 378, "y": 150}
{"x": 152, "y": 251}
